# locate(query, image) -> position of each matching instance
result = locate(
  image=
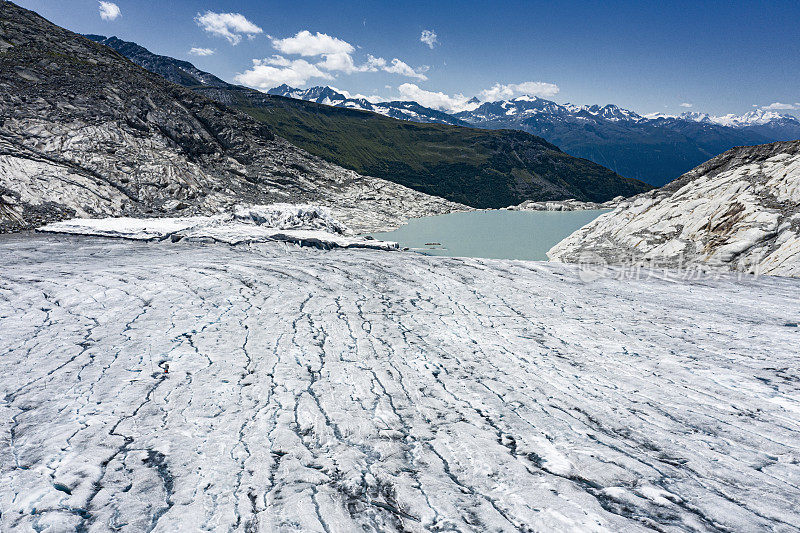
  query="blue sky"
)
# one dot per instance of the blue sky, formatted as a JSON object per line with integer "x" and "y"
{"x": 718, "y": 57}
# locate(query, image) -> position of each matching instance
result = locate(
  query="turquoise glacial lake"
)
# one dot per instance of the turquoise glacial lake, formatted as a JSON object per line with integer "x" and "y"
{"x": 492, "y": 234}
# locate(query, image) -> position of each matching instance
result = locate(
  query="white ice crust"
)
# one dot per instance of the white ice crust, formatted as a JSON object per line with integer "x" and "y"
{"x": 300, "y": 224}
{"x": 356, "y": 390}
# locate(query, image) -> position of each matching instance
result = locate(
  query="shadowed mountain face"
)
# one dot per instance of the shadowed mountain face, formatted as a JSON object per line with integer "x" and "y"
{"x": 83, "y": 131}
{"x": 477, "y": 167}
{"x": 652, "y": 150}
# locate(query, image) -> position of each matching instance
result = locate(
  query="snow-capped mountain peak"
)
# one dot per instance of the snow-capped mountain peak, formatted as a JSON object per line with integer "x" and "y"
{"x": 694, "y": 116}
{"x": 403, "y": 110}
{"x": 320, "y": 94}
{"x": 756, "y": 117}
{"x": 527, "y": 106}
{"x": 611, "y": 112}
{"x": 526, "y": 98}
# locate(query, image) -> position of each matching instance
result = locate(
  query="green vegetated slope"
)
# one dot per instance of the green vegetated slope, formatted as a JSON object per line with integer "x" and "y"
{"x": 481, "y": 168}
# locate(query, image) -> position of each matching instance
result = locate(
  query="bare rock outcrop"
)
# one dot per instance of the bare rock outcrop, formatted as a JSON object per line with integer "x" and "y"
{"x": 738, "y": 211}
{"x": 85, "y": 132}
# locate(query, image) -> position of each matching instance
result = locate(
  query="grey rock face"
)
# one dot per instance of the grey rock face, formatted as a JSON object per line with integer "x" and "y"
{"x": 566, "y": 205}
{"x": 739, "y": 211}
{"x": 85, "y": 132}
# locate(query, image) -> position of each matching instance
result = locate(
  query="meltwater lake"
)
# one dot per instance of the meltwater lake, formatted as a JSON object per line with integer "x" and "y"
{"x": 494, "y": 234}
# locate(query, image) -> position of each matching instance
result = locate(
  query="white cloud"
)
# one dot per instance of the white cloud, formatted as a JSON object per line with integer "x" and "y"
{"x": 339, "y": 63}
{"x": 686, "y": 104}
{"x": 305, "y": 43}
{"x": 228, "y": 25}
{"x": 337, "y": 55}
{"x": 201, "y": 51}
{"x": 429, "y": 37}
{"x": 459, "y": 102}
{"x": 374, "y": 64}
{"x": 530, "y": 88}
{"x": 778, "y": 105}
{"x": 334, "y": 55}
{"x": 109, "y": 11}
{"x": 399, "y": 67}
{"x": 277, "y": 70}
{"x": 436, "y": 100}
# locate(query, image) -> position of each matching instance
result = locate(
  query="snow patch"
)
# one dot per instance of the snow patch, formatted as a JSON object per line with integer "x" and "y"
{"x": 305, "y": 225}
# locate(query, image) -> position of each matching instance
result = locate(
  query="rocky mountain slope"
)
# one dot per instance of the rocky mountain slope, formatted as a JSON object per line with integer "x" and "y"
{"x": 480, "y": 168}
{"x": 174, "y": 70}
{"x": 740, "y": 211}
{"x": 83, "y": 131}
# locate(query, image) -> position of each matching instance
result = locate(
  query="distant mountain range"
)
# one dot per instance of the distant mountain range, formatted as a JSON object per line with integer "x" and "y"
{"x": 473, "y": 166}
{"x": 401, "y": 110}
{"x": 655, "y": 148}
{"x": 772, "y": 124}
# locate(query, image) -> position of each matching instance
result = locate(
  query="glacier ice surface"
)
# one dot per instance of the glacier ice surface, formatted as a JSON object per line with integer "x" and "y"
{"x": 349, "y": 390}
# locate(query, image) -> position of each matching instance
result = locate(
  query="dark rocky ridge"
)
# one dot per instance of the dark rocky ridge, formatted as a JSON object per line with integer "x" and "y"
{"x": 83, "y": 131}
{"x": 174, "y": 70}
